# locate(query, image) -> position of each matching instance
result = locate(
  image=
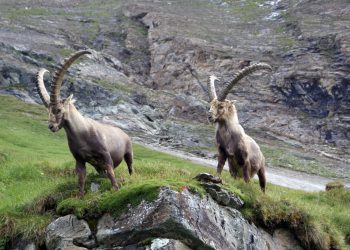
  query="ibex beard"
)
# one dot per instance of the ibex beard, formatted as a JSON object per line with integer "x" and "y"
{"x": 101, "y": 145}
{"x": 234, "y": 145}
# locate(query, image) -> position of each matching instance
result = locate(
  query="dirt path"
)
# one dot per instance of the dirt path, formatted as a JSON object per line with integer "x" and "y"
{"x": 278, "y": 176}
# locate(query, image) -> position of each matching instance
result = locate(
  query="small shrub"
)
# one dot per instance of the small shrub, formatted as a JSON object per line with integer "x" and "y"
{"x": 334, "y": 185}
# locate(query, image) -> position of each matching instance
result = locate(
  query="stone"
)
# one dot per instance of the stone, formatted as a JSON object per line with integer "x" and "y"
{"x": 220, "y": 195}
{"x": 20, "y": 94}
{"x": 167, "y": 244}
{"x": 285, "y": 240}
{"x": 205, "y": 177}
{"x": 21, "y": 244}
{"x": 235, "y": 202}
{"x": 65, "y": 232}
{"x": 94, "y": 187}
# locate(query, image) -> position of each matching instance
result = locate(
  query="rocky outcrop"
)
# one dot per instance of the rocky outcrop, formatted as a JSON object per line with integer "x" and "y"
{"x": 180, "y": 220}
{"x": 175, "y": 220}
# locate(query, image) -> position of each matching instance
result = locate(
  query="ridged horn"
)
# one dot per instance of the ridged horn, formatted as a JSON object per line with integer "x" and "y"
{"x": 238, "y": 76}
{"x": 59, "y": 74}
{"x": 44, "y": 96}
{"x": 211, "y": 88}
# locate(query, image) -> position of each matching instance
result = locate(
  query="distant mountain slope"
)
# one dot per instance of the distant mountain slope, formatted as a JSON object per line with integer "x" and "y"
{"x": 153, "y": 58}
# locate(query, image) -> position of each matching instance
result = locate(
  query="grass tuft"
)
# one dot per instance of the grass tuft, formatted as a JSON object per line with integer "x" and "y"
{"x": 318, "y": 219}
{"x": 334, "y": 185}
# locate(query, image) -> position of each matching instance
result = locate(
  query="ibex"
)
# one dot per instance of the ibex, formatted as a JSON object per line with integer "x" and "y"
{"x": 101, "y": 145}
{"x": 242, "y": 152}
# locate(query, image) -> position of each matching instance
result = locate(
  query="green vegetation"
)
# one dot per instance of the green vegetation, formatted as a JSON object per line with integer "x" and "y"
{"x": 280, "y": 157}
{"x": 22, "y": 12}
{"x": 95, "y": 5}
{"x": 37, "y": 180}
{"x": 248, "y": 10}
{"x": 285, "y": 40}
{"x": 114, "y": 86}
{"x": 334, "y": 185}
{"x": 65, "y": 52}
{"x": 320, "y": 219}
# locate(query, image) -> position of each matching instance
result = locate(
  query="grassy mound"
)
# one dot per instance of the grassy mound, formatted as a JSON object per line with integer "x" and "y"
{"x": 37, "y": 181}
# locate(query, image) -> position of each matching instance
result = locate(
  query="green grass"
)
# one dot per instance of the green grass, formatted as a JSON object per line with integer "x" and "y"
{"x": 247, "y": 10}
{"x": 117, "y": 86}
{"x": 319, "y": 218}
{"x": 22, "y": 12}
{"x": 280, "y": 157}
{"x": 37, "y": 180}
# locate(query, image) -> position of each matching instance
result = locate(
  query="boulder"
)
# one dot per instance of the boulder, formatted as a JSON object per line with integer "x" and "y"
{"x": 68, "y": 232}
{"x": 199, "y": 223}
{"x": 22, "y": 244}
{"x": 219, "y": 194}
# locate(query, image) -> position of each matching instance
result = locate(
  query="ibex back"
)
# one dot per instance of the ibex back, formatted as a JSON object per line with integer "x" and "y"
{"x": 101, "y": 145}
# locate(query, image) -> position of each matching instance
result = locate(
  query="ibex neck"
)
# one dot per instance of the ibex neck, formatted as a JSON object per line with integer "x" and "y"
{"x": 232, "y": 120}
{"x": 74, "y": 123}
{"x": 231, "y": 125}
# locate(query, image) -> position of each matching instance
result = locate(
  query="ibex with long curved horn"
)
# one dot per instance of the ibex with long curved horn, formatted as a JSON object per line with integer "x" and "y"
{"x": 101, "y": 145}
{"x": 233, "y": 143}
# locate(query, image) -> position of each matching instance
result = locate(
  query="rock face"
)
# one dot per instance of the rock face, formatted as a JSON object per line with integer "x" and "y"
{"x": 153, "y": 58}
{"x": 180, "y": 216}
{"x": 175, "y": 220}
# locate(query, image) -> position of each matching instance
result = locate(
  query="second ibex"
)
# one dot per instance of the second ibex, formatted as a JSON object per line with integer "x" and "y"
{"x": 242, "y": 152}
{"x": 101, "y": 145}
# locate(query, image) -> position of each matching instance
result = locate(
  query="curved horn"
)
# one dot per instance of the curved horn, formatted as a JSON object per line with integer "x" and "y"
{"x": 211, "y": 88}
{"x": 44, "y": 96}
{"x": 59, "y": 74}
{"x": 242, "y": 73}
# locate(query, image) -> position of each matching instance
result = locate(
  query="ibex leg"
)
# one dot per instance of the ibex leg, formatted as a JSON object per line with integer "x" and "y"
{"x": 109, "y": 168}
{"x": 221, "y": 161}
{"x": 246, "y": 171}
{"x": 81, "y": 171}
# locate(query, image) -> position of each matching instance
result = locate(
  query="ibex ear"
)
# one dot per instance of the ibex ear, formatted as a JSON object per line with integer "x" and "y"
{"x": 69, "y": 99}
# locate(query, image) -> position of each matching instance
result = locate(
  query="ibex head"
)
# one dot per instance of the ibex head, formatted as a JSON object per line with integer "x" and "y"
{"x": 57, "y": 108}
{"x": 58, "y": 113}
{"x": 222, "y": 109}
